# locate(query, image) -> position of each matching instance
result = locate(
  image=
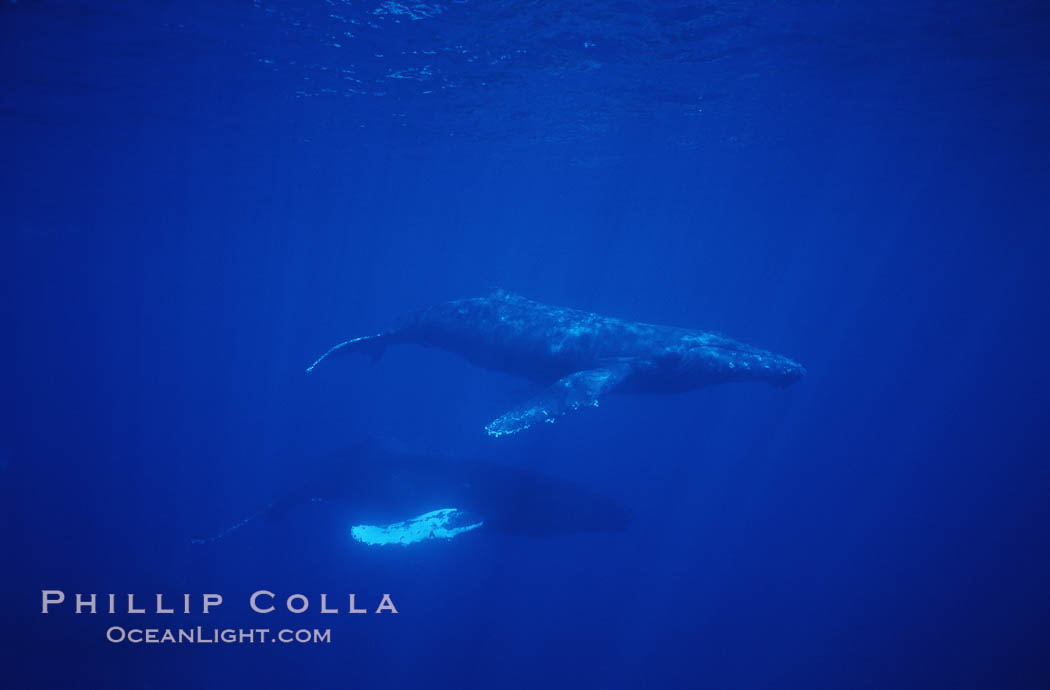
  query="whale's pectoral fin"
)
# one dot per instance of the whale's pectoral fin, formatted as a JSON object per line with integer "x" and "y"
{"x": 565, "y": 395}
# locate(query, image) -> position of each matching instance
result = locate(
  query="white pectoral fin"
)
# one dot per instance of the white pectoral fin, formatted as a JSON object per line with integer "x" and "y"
{"x": 444, "y": 523}
{"x": 581, "y": 389}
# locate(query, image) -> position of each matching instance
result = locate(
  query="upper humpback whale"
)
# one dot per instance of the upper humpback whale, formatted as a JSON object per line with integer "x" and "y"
{"x": 580, "y": 356}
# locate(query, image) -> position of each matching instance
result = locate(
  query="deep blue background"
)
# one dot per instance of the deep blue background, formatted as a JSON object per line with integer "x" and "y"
{"x": 199, "y": 198}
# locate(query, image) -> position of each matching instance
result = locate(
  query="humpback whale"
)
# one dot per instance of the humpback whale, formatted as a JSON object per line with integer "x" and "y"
{"x": 391, "y": 497}
{"x": 577, "y": 355}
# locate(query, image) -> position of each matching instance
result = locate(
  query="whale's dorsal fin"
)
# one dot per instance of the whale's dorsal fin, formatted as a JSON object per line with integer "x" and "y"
{"x": 565, "y": 395}
{"x": 499, "y": 294}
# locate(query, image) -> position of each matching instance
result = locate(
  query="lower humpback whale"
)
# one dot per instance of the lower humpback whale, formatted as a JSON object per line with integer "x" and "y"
{"x": 392, "y": 497}
{"x": 580, "y": 356}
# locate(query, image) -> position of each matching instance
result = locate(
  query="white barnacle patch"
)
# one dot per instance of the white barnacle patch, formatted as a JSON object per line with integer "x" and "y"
{"x": 495, "y": 431}
{"x": 445, "y": 523}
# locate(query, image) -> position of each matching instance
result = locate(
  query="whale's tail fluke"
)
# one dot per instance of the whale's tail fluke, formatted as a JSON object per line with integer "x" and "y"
{"x": 226, "y": 530}
{"x": 235, "y": 526}
{"x": 373, "y": 345}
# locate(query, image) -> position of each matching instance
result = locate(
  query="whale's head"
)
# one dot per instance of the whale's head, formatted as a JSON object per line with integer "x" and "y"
{"x": 784, "y": 371}
{"x": 723, "y": 362}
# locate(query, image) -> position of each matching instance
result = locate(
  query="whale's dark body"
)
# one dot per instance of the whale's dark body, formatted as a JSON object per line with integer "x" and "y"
{"x": 579, "y": 355}
{"x": 376, "y": 484}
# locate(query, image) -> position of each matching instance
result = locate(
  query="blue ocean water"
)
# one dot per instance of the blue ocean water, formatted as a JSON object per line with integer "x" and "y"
{"x": 199, "y": 198}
